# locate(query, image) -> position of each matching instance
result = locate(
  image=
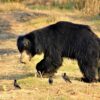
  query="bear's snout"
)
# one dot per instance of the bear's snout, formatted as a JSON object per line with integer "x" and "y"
{"x": 24, "y": 57}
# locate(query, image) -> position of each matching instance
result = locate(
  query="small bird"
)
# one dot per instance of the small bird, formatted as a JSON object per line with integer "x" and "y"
{"x": 16, "y": 84}
{"x": 50, "y": 80}
{"x": 66, "y": 78}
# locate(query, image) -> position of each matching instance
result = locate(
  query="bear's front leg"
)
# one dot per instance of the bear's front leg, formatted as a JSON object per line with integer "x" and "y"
{"x": 45, "y": 67}
{"x": 48, "y": 66}
{"x": 41, "y": 66}
{"x": 51, "y": 62}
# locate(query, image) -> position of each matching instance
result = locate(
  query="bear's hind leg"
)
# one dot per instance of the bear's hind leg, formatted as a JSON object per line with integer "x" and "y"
{"x": 89, "y": 73}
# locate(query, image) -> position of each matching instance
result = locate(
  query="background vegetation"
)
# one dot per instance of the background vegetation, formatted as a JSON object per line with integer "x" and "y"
{"x": 88, "y": 7}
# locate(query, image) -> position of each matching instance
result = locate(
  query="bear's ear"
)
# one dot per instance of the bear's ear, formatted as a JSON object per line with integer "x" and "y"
{"x": 26, "y": 42}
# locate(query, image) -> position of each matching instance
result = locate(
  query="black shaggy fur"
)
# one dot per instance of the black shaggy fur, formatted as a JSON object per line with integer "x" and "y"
{"x": 63, "y": 39}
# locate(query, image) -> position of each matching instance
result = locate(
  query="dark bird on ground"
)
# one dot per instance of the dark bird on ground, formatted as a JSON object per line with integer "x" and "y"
{"x": 50, "y": 80}
{"x": 16, "y": 84}
{"x": 66, "y": 78}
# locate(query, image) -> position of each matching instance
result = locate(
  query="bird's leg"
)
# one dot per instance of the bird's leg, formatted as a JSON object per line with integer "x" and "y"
{"x": 50, "y": 80}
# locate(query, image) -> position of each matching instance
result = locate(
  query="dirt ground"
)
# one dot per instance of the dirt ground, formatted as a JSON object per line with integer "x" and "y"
{"x": 15, "y": 23}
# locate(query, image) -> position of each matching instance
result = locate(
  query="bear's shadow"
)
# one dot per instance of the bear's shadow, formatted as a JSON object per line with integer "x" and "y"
{"x": 23, "y": 76}
{"x": 16, "y": 76}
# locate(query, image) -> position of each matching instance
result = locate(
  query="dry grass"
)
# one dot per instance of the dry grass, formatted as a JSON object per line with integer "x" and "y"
{"x": 88, "y": 7}
{"x": 34, "y": 88}
{"x": 6, "y": 7}
{"x": 92, "y": 7}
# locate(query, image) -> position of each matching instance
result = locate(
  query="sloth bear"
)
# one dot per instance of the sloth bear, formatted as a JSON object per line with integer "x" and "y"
{"x": 62, "y": 39}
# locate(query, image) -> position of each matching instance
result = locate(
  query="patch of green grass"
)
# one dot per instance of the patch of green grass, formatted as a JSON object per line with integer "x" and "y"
{"x": 68, "y": 6}
{"x": 96, "y": 19}
{"x": 40, "y": 7}
{"x": 69, "y": 66}
{"x": 34, "y": 82}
